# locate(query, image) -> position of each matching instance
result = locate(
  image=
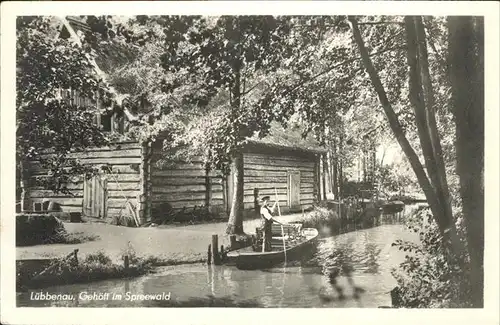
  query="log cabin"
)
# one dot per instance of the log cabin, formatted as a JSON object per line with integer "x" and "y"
{"x": 133, "y": 183}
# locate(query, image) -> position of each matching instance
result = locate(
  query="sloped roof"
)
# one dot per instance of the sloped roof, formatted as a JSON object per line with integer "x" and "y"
{"x": 104, "y": 56}
{"x": 112, "y": 55}
{"x": 262, "y": 143}
{"x": 289, "y": 138}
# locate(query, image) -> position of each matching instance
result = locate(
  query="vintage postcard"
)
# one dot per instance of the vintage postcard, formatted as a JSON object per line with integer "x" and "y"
{"x": 310, "y": 158}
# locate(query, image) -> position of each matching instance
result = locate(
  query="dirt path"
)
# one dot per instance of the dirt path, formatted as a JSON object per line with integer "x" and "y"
{"x": 179, "y": 244}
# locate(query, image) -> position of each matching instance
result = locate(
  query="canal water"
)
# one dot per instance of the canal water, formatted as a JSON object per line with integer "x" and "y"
{"x": 363, "y": 259}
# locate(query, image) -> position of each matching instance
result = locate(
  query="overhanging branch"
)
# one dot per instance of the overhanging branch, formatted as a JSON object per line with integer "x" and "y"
{"x": 331, "y": 68}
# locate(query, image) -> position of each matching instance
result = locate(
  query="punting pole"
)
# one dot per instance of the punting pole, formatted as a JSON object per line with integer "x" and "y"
{"x": 282, "y": 231}
{"x": 277, "y": 201}
{"x": 284, "y": 246}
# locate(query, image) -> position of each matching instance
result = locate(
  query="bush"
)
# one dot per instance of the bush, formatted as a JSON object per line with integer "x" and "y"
{"x": 40, "y": 229}
{"x": 429, "y": 276}
{"x": 36, "y": 229}
{"x": 98, "y": 258}
{"x": 165, "y": 214}
{"x": 138, "y": 261}
{"x": 323, "y": 219}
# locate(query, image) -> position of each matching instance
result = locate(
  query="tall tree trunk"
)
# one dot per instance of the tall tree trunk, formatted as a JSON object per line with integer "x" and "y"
{"x": 325, "y": 174}
{"x": 373, "y": 164}
{"x": 392, "y": 118}
{"x": 423, "y": 106}
{"x": 466, "y": 68}
{"x": 431, "y": 116}
{"x": 235, "y": 223}
{"x": 341, "y": 166}
{"x": 364, "y": 166}
{"x": 334, "y": 166}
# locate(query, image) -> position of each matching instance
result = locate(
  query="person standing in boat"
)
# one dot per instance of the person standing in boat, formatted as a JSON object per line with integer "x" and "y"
{"x": 267, "y": 220}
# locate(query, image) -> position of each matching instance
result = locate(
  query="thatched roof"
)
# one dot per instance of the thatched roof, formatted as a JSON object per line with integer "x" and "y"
{"x": 289, "y": 138}
{"x": 112, "y": 55}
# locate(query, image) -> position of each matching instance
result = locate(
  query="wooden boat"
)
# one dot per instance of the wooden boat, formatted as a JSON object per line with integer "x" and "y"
{"x": 297, "y": 245}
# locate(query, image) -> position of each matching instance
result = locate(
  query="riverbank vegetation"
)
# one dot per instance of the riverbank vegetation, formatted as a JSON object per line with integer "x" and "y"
{"x": 72, "y": 269}
{"x": 329, "y": 222}
{"x": 94, "y": 267}
{"x": 429, "y": 276}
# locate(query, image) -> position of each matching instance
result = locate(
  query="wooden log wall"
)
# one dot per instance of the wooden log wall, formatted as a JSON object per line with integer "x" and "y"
{"x": 185, "y": 185}
{"x": 124, "y": 160}
{"x": 265, "y": 172}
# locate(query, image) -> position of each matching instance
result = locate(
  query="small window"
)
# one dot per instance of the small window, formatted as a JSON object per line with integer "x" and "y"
{"x": 106, "y": 121}
{"x": 37, "y": 206}
{"x": 118, "y": 123}
{"x": 46, "y": 205}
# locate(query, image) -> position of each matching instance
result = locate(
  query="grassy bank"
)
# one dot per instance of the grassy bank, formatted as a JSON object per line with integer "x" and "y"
{"x": 95, "y": 267}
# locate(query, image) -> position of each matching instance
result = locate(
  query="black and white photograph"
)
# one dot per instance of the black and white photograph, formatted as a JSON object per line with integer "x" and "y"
{"x": 284, "y": 160}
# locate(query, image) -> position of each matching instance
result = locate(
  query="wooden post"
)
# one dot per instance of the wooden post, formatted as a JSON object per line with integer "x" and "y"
{"x": 126, "y": 262}
{"x": 223, "y": 180}
{"x": 215, "y": 247}
{"x": 209, "y": 254}
{"x": 208, "y": 188}
{"x": 76, "y": 257}
{"x": 144, "y": 202}
{"x": 324, "y": 174}
{"x": 317, "y": 186}
{"x": 256, "y": 201}
{"x": 232, "y": 240}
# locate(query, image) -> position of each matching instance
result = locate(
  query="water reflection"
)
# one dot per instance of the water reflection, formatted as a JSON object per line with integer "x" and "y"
{"x": 348, "y": 270}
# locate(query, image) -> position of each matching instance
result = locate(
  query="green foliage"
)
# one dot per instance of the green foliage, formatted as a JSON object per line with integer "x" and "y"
{"x": 79, "y": 237}
{"x": 131, "y": 253}
{"x": 429, "y": 276}
{"x": 98, "y": 258}
{"x": 395, "y": 178}
{"x": 323, "y": 219}
{"x": 46, "y": 67}
{"x": 36, "y": 229}
{"x": 139, "y": 262}
{"x": 218, "y": 58}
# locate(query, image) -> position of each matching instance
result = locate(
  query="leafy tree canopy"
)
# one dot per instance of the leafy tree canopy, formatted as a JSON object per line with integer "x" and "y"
{"x": 47, "y": 67}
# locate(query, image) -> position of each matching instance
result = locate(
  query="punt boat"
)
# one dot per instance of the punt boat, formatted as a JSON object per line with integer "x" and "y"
{"x": 289, "y": 243}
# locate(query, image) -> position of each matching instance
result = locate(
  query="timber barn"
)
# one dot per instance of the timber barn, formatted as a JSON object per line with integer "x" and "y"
{"x": 132, "y": 183}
